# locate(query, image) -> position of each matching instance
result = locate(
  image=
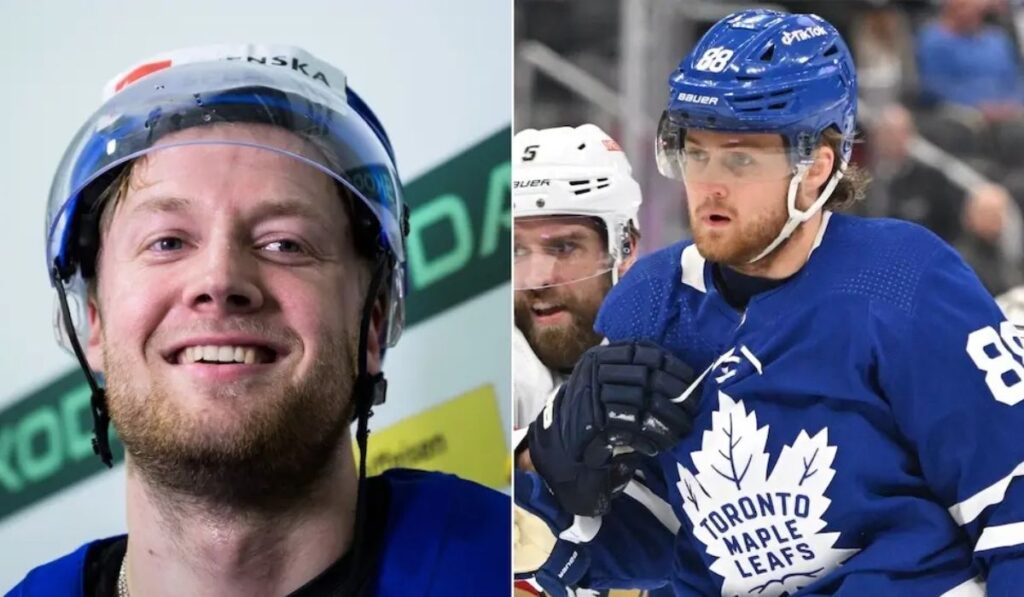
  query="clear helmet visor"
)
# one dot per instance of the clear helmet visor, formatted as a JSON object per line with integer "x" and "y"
{"x": 210, "y": 104}
{"x": 733, "y": 158}
{"x": 557, "y": 250}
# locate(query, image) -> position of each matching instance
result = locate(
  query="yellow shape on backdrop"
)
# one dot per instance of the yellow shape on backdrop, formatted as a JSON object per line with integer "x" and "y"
{"x": 463, "y": 436}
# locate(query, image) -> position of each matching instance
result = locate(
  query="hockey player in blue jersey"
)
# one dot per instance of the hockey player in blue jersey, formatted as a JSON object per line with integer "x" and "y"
{"x": 226, "y": 239}
{"x": 855, "y": 424}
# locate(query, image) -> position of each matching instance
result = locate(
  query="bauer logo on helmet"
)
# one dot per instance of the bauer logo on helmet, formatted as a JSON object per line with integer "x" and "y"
{"x": 693, "y": 98}
{"x": 526, "y": 184}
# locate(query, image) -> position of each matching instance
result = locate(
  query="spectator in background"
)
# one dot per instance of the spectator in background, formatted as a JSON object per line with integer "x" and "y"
{"x": 964, "y": 61}
{"x": 985, "y": 218}
{"x": 883, "y": 47}
{"x": 903, "y": 187}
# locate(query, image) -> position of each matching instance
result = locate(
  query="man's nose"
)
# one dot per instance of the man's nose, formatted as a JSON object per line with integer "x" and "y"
{"x": 537, "y": 271}
{"x": 709, "y": 188}
{"x": 225, "y": 280}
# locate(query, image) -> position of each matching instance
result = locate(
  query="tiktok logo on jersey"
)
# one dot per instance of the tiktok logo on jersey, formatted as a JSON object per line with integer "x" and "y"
{"x": 764, "y": 529}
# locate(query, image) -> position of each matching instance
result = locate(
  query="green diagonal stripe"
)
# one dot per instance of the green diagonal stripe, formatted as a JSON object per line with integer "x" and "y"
{"x": 460, "y": 228}
{"x": 458, "y": 248}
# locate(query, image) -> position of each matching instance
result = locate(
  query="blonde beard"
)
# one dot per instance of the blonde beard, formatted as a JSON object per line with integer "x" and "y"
{"x": 273, "y": 457}
{"x": 746, "y": 244}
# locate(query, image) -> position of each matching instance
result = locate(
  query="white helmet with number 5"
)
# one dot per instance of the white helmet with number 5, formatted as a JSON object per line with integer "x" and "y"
{"x": 579, "y": 171}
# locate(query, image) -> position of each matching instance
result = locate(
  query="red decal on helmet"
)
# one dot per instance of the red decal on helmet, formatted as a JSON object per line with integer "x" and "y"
{"x": 141, "y": 71}
{"x": 611, "y": 145}
{"x": 525, "y": 588}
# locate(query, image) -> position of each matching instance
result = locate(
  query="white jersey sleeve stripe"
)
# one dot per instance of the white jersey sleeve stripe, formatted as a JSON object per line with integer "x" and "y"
{"x": 657, "y": 506}
{"x": 974, "y": 587}
{"x": 969, "y": 509}
{"x": 1003, "y": 535}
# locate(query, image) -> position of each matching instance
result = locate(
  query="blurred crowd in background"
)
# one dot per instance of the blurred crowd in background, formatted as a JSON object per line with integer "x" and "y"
{"x": 941, "y": 115}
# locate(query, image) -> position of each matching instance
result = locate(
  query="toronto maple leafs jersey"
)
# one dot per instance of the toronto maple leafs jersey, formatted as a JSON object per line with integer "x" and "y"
{"x": 860, "y": 427}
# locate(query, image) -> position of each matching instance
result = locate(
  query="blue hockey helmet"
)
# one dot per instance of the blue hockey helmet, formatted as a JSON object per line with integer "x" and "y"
{"x": 763, "y": 71}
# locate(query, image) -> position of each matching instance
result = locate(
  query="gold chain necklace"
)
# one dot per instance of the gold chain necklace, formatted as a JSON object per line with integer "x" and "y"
{"x": 122, "y": 578}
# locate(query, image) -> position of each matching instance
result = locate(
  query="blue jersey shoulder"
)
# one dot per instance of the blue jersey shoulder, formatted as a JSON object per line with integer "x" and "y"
{"x": 444, "y": 535}
{"x": 880, "y": 259}
{"x": 876, "y": 261}
{"x": 62, "y": 576}
{"x": 639, "y": 305}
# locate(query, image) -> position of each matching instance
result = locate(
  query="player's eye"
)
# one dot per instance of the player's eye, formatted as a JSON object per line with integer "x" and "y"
{"x": 166, "y": 244}
{"x": 738, "y": 160}
{"x": 520, "y": 251}
{"x": 696, "y": 156}
{"x": 284, "y": 246}
{"x": 562, "y": 248}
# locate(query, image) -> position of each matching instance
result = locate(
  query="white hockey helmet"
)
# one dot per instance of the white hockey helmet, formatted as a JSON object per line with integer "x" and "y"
{"x": 1012, "y": 304}
{"x": 579, "y": 171}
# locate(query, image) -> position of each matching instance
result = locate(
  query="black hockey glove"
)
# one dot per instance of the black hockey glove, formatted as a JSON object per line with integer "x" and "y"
{"x": 616, "y": 407}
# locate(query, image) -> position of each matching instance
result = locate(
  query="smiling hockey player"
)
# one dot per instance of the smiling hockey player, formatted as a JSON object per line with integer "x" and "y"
{"x": 856, "y": 429}
{"x": 230, "y": 232}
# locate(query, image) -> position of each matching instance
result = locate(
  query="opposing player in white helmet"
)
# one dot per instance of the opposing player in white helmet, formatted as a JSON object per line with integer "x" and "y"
{"x": 574, "y": 203}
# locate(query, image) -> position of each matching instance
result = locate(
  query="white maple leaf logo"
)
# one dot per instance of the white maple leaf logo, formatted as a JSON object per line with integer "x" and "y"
{"x": 763, "y": 529}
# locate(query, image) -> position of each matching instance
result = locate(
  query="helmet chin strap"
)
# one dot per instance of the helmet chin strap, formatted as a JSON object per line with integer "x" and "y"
{"x": 98, "y": 397}
{"x": 368, "y": 391}
{"x": 797, "y": 216}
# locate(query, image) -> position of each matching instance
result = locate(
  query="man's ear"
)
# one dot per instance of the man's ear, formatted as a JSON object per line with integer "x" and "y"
{"x": 94, "y": 344}
{"x": 817, "y": 175}
{"x": 374, "y": 344}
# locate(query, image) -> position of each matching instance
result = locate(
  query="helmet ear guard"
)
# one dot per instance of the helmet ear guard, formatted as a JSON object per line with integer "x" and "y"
{"x": 627, "y": 242}
{"x": 625, "y": 250}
